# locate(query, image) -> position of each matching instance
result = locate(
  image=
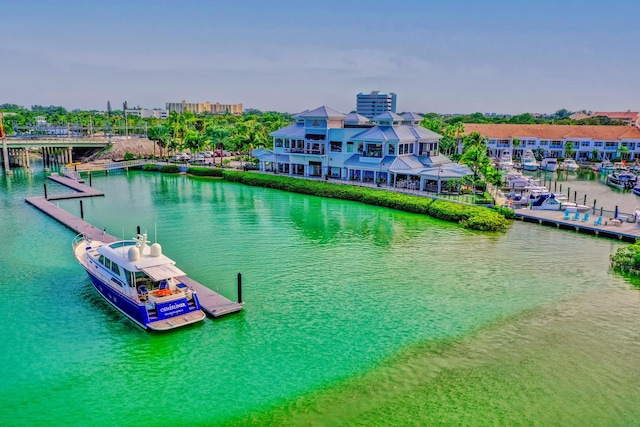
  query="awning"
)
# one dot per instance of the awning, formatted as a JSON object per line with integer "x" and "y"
{"x": 161, "y": 272}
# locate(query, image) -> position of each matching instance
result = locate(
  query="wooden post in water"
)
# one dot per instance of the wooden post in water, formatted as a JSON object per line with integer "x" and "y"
{"x": 45, "y": 190}
{"x": 575, "y": 197}
{"x": 81, "y": 210}
{"x": 615, "y": 215}
{"x": 594, "y": 206}
{"x": 600, "y": 210}
{"x": 585, "y": 200}
{"x": 555, "y": 186}
{"x": 569, "y": 193}
{"x": 561, "y": 187}
{"x": 90, "y": 179}
{"x": 239, "y": 288}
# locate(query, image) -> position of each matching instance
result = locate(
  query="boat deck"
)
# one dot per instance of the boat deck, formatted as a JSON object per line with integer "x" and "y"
{"x": 614, "y": 229}
{"x": 211, "y": 302}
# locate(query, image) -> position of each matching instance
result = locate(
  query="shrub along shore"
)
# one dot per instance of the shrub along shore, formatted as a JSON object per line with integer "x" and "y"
{"x": 471, "y": 217}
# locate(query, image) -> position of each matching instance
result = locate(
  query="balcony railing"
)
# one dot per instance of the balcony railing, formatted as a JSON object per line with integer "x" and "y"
{"x": 320, "y": 151}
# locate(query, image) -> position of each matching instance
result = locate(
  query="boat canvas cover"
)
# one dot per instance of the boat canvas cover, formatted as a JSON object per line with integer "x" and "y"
{"x": 162, "y": 272}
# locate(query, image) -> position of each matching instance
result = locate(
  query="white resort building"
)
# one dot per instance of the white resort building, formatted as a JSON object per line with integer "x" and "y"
{"x": 389, "y": 148}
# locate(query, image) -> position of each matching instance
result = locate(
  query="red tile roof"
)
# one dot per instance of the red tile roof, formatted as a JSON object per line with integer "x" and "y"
{"x": 551, "y": 132}
{"x": 617, "y": 115}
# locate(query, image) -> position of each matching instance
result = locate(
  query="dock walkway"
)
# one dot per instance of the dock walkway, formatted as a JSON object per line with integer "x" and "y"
{"x": 620, "y": 229}
{"x": 212, "y": 303}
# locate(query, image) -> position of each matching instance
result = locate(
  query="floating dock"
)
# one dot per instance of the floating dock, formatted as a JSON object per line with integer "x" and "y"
{"x": 619, "y": 229}
{"x": 212, "y": 303}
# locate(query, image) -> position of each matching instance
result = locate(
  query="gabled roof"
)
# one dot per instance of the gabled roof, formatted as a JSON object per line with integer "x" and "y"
{"x": 388, "y": 115}
{"x": 293, "y": 130}
{"x": 411, "y": 116}
{"x": 355, "y": 119}
{"x": 355, "y": 162}
{"x": 322, "y": 113}
{"x": 406, "y": 163}
{"x": 617, "y": 115}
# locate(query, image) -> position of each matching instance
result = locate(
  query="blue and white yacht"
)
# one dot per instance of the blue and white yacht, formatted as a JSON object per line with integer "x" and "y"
{"x": 139, "y": 281}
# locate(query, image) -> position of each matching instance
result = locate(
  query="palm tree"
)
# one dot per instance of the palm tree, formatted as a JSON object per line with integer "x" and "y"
{"x": 515, "y": 143}
{"x": 568, "y": 149}
{"x": 160, "y": 135}
{"x": 624, "y": 152}
{"x": 594, "y": 155}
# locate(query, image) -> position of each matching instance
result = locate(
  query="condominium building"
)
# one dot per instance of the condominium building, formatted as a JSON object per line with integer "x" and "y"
{"x": 146, "y": 113}
{"x": 375, "y": 103}
{"x": 628, "y": 117}
{"x": 204, "y": 107}
{"x": 583, "y": 142}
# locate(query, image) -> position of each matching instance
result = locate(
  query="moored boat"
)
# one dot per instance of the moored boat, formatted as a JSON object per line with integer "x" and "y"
{"x": 603, "y": 167}
{"x": 621, "y": 179}
{"x": 139, "y": 281}
{"x": 529, "y": 162}
{"x": 570, "y": 165}
{"x": 549, "y": 164}
{"x": 554, "y": 202}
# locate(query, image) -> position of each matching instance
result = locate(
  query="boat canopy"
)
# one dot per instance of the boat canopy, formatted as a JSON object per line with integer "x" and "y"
{"x": 162, "y": 272}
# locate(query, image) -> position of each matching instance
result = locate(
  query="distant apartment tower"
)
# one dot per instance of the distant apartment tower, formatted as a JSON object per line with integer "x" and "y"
{"x": 204, "y": 107}
{"x": 146, "y": 113}
{"x": 375, "y": 103}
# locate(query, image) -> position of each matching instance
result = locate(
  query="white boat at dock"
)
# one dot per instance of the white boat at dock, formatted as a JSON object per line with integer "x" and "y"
{"x": 529, "y": 162}
{"x": 622, "y": 179}
{"x": 139, "y": 281}
{"x": 549, "y": 164}
{"x": 569, "y": 165}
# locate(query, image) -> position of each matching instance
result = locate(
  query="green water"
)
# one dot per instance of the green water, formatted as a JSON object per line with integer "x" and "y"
{"x": 354, "y": 315}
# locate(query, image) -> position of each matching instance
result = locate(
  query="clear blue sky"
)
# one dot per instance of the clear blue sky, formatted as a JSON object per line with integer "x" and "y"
{"x": 445, "y": 56}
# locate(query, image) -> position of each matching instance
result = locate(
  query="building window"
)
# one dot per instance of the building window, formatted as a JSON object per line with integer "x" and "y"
{"x": 360, "y": 147}
{"x": 336, "y": 146}
{"x": 392, "y": 149}
{"x": 278, "y": 143}
{"x": 349, "y": 147}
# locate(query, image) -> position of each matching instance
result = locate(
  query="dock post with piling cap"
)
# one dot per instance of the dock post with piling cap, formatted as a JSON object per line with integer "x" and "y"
{"x": 239, "y": 288}
{"x": 575, "y": 196}
{"x": 615, "y": 215}
{"x": 594, "y": 206}
{"x": 45, "y": 190}
{"x": 81, "y": 210}
{"x": 89, "y": 178}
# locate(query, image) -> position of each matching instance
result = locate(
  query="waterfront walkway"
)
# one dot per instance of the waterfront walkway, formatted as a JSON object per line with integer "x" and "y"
{"x": 211, "y": 302}
{"x": 613, "y": 228}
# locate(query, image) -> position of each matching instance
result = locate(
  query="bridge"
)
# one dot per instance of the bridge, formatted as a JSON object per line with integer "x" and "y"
{"x": 15, "y": 150}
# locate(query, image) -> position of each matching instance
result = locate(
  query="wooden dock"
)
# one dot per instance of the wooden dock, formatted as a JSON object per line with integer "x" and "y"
{"x": 620, "y": 230}
{"x": 212, "y": 303}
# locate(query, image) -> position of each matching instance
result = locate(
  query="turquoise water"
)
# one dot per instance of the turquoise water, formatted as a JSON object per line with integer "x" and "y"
{"x": 334, "y": 291}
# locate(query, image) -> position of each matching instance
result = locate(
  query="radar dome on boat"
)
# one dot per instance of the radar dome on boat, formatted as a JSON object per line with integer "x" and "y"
{"x": 156, "y": 249}
{"x": 134, "y": 253}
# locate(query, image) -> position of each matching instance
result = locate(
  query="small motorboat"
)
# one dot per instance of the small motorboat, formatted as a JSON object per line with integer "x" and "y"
{"x": 139, "y": 281}
{"x": 529, "y": 162}
{"x": 549, "y": 164}
{"x": 570, "y": 165}
{"x": 636, "y": 190}
{"x": 554, "y": 202}
{"x": 624, "y": 180}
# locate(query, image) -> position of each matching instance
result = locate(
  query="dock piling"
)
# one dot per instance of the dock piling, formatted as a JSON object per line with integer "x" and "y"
{"x": 90, "y": 179}
{"x": 138, "y": 229}
{"x": 239, "y": 288}
{"x": 45, "y": 190}
{"x": 81, "y": 210}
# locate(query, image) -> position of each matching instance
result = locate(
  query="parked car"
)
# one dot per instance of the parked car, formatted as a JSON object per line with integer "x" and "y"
{"x": 208, "y": 154}
{"x": 249, "y": 167}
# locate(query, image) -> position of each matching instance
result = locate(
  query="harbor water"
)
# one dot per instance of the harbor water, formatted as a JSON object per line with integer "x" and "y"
{"x": 354, "y": 315}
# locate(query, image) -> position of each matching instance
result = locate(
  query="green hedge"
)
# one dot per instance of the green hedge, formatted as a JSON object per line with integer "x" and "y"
{"x": 217, "y": 172}
{"x": 627, "y": 259}
{"x": 472, "y": 217}
{"x": 169, "y": 169}
{"x": 150, "y": 167}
